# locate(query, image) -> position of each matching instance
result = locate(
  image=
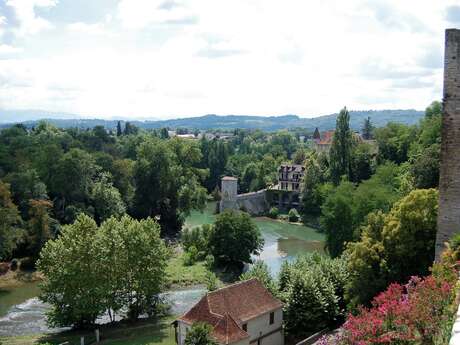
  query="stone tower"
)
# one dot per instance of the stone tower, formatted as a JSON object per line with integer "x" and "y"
{"x": 229, "y": 192}
{"x": 449, "y": 181}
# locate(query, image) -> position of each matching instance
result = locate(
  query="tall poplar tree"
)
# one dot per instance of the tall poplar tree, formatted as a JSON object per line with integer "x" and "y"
{"x": 367, "y": 129}
{"x": 342, "y": 144}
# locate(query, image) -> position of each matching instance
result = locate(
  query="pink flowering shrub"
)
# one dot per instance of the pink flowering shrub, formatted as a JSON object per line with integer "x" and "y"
{"x": 403, "y": 314}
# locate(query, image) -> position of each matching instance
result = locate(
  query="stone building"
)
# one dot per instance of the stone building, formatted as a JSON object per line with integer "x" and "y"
{"x": 449, "y": 181}
{"x": 241, "y": 314}
{"x": 290, "y": 177}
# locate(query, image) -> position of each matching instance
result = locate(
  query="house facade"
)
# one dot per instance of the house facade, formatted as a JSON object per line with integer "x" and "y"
{"x": 290, "y": 177}
{"x": 244, "y": 313}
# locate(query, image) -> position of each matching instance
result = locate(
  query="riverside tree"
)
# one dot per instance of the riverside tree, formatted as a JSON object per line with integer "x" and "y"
{"x": 235, "y": 238}
{"x": 341, "y": 148}
{"x": 9, "y": 222}
{"x": 167, "y": 181}
{"x": 90, "y": 270}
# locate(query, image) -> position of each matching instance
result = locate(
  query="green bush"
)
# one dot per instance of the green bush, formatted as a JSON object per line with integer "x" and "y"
{"x": 197, "y": 238}
{"x": 191, "y": 256}
{"x": 211, "y": 281}
{"x": 312, "y": 288}
{"x": 209, "y": 261}
{"x": 273, "y": 213}
{"x": 293, "y": 215}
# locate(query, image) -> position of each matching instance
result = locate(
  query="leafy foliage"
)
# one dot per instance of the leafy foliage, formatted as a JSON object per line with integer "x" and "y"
{"x": 341, "y": 148}
{"x": 235, "y": 238}
{"x": 200, "y": 334}
{"x": 259, "y": 270}
{"x": 312, "y": 287}
{"x": 90, "y": 270}
{"x": 394, "y": 246}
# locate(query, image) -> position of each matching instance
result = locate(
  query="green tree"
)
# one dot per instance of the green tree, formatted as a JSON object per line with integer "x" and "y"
{"x": 40, "y": 225}
{"x": 164, "y": 134}
{"x": 362, "y": 163}
{"x": 168, "y": 182}
{"x": 367, "y": 129}
{"x": 394, "y": 141}
{"x": 119, "y": 131}
{"x": 89, "y": 270}
{"x": 235, "y": 238}
{"x": 341, "y": 148}
{"x": 337, "y": 218}
{"x": 135, "y": 260}
{"x": 106, "y": 199}
{"x": 200, "y": 334}
{"x": 10, "y": 221}
{"x": 393, "y": 247}
{"x": 312, "y": 287}
{"x": 74, "y": 177}
{"x": 261, "y": 272}
{"x": 72, "y": 284}
{"x": 250, "y": 181}
{"x": 26, "y": 185}
{"x": 435, "y": 108}
{"x": 314, "y": 177}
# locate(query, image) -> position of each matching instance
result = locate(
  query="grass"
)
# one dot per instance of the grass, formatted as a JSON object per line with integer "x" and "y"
{"x": 150, "y": 332}
{"x": 182, "y": 276}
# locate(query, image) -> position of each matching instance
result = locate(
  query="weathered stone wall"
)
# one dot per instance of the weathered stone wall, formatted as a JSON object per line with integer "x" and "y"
{"x": 254, "y": 203}
{"x": 449, "y": 182}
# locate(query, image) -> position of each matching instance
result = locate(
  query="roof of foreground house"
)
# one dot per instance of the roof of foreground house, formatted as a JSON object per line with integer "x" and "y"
{"x": 227, "y": 308}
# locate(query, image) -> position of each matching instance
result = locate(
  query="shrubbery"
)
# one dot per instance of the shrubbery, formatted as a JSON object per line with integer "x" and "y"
{"x": 273, "y": 213}
{"x": 312, "y": 288}
{"x": 293, "y": 215}
{"x": 404, "y": 314}
{"x": 195, "y": 242}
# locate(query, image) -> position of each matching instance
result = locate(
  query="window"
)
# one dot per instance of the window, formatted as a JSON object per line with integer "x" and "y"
{"x": 272, "y": 318}
{"x": 245, "y": 327}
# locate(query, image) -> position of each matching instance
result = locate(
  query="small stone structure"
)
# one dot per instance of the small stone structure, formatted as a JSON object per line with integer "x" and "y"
{"x": 449, "y": 182}
{"x": 255, "y": 203}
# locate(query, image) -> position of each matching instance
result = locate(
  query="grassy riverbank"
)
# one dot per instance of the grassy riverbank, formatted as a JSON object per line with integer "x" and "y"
{"x": 14, "y": 279}
{"x": 147, "y": 332}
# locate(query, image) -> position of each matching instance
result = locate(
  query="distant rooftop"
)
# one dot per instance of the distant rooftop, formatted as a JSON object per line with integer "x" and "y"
{"x": 229, "y": 178}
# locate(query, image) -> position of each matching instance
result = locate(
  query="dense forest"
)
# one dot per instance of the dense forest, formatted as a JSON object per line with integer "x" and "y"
{"x": 113, "y": 197}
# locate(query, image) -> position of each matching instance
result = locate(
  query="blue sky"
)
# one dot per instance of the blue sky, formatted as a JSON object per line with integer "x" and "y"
{"x": 172, "y": 58}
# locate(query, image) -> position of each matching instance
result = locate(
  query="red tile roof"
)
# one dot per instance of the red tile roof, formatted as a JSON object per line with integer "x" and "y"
{"x": 228, "y": 308}
{"x": 326, "y": 138}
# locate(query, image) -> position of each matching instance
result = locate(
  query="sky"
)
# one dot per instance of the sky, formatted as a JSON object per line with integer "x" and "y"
{"x": 178, "y": 58}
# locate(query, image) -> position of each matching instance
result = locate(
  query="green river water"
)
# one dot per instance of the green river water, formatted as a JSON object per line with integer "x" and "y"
{"x": 22, "y": 313}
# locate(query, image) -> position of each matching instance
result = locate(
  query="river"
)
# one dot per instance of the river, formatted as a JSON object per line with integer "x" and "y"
{"x": 22, "y": 313}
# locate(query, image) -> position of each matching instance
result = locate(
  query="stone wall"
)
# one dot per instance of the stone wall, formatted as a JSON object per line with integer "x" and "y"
{"x": 254, "y": 203}
{"x": 449, "y": 182}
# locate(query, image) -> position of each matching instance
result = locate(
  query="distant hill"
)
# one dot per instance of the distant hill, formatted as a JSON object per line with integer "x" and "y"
{"x": 268, "y": 123}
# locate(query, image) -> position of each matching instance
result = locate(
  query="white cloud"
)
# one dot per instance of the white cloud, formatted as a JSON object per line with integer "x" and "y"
{"x": 92, "y": 29}
{"x": 192, "y": 57}
{"x": 138, "y": 14}
{"x": 7, "y": 49}
{"x": 29, "y": 22}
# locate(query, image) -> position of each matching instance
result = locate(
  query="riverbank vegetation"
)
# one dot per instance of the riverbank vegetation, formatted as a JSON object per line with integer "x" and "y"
{"x": 119, "y": 201}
